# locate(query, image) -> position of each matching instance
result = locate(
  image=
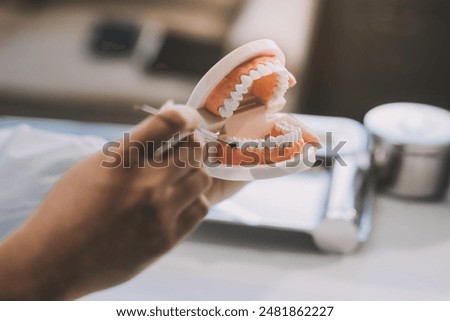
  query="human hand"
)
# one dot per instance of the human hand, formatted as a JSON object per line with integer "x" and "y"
{"x": 100, "y": 226}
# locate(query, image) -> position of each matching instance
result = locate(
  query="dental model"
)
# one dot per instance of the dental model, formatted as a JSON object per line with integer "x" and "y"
{"x": 239, "y": 99}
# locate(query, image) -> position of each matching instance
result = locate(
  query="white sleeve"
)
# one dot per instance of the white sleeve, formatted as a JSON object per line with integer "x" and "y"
{"x": 31, "y": 161}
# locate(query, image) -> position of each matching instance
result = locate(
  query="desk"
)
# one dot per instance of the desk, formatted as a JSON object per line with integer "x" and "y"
{"x": 406, "y": 258}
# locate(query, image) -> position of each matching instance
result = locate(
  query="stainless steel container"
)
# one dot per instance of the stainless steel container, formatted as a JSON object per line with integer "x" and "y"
{"x": 410, "y": 148}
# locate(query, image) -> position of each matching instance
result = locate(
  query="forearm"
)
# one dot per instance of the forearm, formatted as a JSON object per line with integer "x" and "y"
{"x": 25, "y": 270}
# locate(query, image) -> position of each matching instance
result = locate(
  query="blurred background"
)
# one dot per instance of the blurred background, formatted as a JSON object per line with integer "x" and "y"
{"x": 94, "y": 60}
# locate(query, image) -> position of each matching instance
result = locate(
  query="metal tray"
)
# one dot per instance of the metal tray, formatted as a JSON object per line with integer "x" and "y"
{"x": 332, "y": 202}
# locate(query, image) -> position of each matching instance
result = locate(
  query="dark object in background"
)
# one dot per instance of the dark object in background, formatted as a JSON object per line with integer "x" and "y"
{"x": 182, "y": 54}
{"x": 367, "y": 53}
{"x": 114, "y": 38}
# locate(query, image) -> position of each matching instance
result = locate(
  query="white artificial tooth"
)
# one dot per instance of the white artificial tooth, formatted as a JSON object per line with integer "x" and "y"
{"x": 292, "y": 137}
{"x": 254, "y": 74}
{"x": 230, "y": 104}
{"x": 236, "y": 96}
{"x": 283, "y": 80}
{"x": 271, "y": 66}
{"x": 225, "y": 112}
{"x": 283, "y": 86}
{"x": 283, "y": 73}
{"x": 278, "y": 68}
{"x": 241, "y": 89}
{"x": 287, "y": 137}
{"x": 280, "y": 140}
{"x": 296, "y": 135}
{"x": 280, "y": 92}
{"x": 271, "y": 138}
{"x": 246, "y": 81}
{"x": 264, "y": 70}
{"x": 222, "y": 111}
{"x": 276, "y": 95}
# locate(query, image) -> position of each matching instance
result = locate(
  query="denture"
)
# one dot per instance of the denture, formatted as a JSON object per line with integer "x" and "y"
{"x": 239, "y": 99}
{"x": 263, "y": 77}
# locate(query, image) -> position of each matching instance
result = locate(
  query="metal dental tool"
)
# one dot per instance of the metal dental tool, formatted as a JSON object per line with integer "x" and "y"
{"x": 175, "y": 139}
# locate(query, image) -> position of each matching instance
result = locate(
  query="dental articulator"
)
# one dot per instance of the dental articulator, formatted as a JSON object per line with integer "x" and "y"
{"x": 239, "y": 100}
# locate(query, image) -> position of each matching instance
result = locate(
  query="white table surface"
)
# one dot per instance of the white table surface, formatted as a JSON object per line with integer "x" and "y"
{"x": 406, "y": 258}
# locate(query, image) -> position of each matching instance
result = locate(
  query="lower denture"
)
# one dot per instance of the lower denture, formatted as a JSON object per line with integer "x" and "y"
{"x": 237, "y": 155}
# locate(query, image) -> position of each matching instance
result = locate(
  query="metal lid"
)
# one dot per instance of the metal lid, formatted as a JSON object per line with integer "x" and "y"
{"x": 415, "y": 126}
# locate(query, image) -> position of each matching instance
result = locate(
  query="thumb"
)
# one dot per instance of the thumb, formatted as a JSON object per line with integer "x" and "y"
{"x": 170, "y": 120}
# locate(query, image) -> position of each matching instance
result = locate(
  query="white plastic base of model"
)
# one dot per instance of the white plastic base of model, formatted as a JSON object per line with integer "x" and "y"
{"x": 254, "y": 172}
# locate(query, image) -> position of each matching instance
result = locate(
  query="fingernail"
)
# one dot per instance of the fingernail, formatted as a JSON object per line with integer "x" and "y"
{"x": 189, "y": 114}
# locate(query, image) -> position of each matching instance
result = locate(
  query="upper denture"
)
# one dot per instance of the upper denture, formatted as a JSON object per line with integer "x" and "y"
{"x": 263, "y": 77}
